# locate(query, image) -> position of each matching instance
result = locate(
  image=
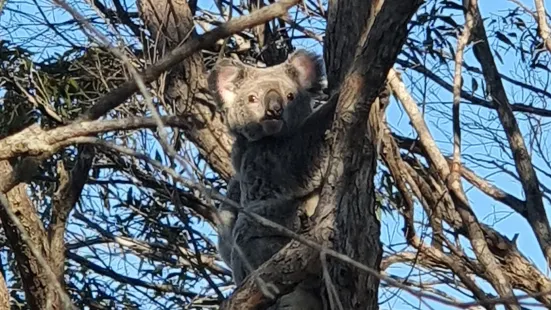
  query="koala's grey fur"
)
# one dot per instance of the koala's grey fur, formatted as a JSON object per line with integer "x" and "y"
{"x": 277, "y": 155}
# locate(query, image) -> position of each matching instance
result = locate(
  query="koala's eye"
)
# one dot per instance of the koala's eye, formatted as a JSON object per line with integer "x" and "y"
{"x": 252, "y": 98}
{"x": 290, "y": 96}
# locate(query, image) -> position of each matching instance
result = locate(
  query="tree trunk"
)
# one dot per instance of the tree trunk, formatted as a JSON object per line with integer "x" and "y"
{"x": 356, "y": 228}
{"x": 359, "y": 30}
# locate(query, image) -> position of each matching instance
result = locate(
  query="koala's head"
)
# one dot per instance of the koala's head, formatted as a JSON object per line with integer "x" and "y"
{"x": 261, "y": 102}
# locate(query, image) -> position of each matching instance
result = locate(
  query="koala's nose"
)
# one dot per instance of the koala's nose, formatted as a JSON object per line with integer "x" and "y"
{"x": 274, "y": 103}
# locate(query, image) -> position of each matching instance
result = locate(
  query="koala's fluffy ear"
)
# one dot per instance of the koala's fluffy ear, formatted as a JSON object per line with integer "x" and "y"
{"x": 223, "y": 79}
{"x": 308, "y": 68}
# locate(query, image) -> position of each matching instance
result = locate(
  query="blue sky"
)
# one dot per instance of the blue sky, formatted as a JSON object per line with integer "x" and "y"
{"x": 486, "y": 209}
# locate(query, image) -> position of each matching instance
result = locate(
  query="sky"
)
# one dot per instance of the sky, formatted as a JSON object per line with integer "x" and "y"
{"x": 486, "y": 209}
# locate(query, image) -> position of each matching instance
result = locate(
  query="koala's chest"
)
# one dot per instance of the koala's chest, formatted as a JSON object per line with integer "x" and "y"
{"x": 262, "y": 176}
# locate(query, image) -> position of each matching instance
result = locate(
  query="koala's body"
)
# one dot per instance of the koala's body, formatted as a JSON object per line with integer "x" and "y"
{"x": 278, "y": 156}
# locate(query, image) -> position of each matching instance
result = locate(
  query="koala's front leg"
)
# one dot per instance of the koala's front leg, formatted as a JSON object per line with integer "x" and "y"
{"x": 228, "y": 217}
{"x": 256, "y": 242}
{"x": 299, "y": 299}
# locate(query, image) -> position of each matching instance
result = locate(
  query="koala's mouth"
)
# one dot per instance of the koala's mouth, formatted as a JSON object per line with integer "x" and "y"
{"x": 272, "y": 126}
{"x": 272, "y": 117}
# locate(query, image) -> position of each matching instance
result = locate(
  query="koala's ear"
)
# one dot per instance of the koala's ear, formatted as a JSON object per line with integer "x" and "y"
{"x": 223, "y": 79}
{"x": 308, "y": 68}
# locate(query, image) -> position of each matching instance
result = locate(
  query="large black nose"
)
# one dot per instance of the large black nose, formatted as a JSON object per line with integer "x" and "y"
{"x": 274, "y": 103}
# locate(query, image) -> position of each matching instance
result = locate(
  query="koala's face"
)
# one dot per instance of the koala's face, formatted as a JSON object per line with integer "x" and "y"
{"x": 261, "y": 102}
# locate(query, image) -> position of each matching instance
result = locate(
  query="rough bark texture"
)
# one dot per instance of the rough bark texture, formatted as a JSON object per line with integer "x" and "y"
{"x": 346, "y": 220}
{"x": 433, "y": 191}
{"x": 70, "y": 188}
{"x": 28, "y": 166}
{"x": 346, "y": 24}
{"x": 357, "y": 229}
{"x": 207, "y": 132}
{"x": 4, "y": 293}
{"x": 171, "y": 23}
{"x": 38, "y": 292}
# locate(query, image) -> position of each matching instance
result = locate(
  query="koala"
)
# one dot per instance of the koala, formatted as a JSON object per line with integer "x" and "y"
{"x": 278, "y": 156}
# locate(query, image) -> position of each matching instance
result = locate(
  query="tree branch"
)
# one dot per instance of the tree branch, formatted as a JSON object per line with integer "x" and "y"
{"x": 470, "y": 176}
{"x": 70, "y": 188}
{"x": 516, "y": 107}
{"x": 535, "y": 211}
{"x": 543, "y": 26}
{"x": 33, "y": 140}
{"x": 28, "y": 241}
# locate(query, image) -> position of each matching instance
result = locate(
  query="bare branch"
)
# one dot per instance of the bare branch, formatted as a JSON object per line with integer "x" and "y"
{"x": 462, "y": 41}
{"x": 70, "y": 189}
{"x": 544, "y": 31}
{"x": 535, "y": 211}
{"x": 123, "y": 92}
{"x": 34, "y": 141}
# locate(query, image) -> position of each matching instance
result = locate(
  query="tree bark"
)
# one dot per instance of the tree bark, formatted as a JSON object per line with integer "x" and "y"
{"x": 38, "y": 291}
{"x": 71, "y": 184}
{"x": 353, "y": 162}
{"x": 4, "y": 293}
{"x": 346, "y": 24}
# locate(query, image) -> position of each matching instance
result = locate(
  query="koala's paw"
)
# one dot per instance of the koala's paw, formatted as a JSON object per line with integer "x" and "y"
{"x": 299, "y": 299}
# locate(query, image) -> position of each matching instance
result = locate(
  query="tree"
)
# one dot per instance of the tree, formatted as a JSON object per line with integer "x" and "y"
{"x": 113, "y": 157}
